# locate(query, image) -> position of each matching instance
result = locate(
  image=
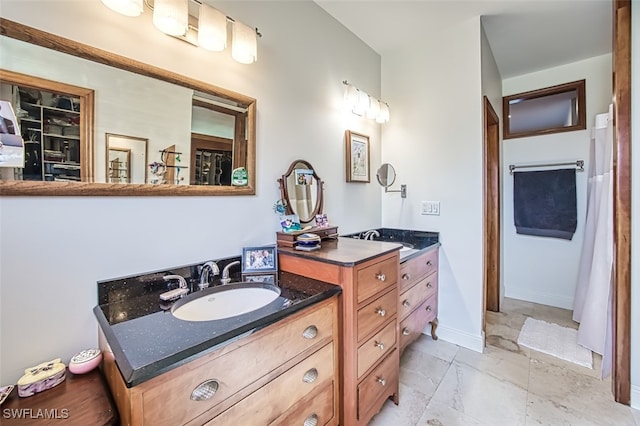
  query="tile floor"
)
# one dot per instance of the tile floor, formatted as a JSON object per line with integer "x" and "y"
{"x": 442, "y": 384}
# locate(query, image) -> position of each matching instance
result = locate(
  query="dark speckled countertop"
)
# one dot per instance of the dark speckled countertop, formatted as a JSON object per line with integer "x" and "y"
{"x": 147, "y": 340}
{"x": 413, "y": 242}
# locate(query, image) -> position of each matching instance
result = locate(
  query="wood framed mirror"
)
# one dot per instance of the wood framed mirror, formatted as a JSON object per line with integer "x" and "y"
{"x": 194, "y": 102}
{"x": 301, "y": 189}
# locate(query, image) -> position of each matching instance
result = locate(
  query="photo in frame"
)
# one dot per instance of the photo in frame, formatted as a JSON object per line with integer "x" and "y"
{"x": 259, "y": 259}
{"x": 357, "y": 157}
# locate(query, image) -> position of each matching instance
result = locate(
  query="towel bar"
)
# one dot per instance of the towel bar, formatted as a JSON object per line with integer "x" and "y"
{"x": 578, "y": 163}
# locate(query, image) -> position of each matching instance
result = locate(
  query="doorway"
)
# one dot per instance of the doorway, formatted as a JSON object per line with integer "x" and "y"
{"x": 621, "y": 321}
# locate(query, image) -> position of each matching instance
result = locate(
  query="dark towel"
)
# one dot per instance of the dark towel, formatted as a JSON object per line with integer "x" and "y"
{"x": 544, "y": 203}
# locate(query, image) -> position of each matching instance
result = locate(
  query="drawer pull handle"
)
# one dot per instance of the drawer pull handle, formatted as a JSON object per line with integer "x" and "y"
{"x": 429, "y": 263}
{"x": 205, "y": 390}
{"x": 406, "y": 277}
{"x": 406, "y": 303}
{"x": 382, "y": 381}
{"x": 381, "y": 277}
{"x": 379, "y": 345}
{"x": 310, "y": 332}
{"x": 429, "y": 285}
{"x": 381, "y": 312}
{"x": 312, "y": 420}
{"x": 429, "y": 308}
{"x": 310, "y": 376}
{"x": 405, "y": 331}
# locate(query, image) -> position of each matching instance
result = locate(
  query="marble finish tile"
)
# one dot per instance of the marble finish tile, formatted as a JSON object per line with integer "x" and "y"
{"x": 438, "y": 414}
{"x": 408, "y": 412}
{"x": 499, "y": 363}
{"x": 516, "y": 306}
{"x": 422, "y": 371}
{"x": 592, "y": 372}
{"x": 636, "y": 416}
{"x": 481, "y": 396}
{"x": 438, "y": 348}
{"x": 542, "y": 411}
{"x": 506, "y": 338}
{"x": 562, "y": 317}
{"x": 570, "y": 391}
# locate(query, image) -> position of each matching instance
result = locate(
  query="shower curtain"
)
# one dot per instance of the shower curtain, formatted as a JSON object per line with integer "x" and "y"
{"x": 592, "y": 303}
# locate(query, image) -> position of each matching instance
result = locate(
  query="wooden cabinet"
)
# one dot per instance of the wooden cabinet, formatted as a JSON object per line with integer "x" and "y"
{"x": 418, "y": 301}
{"x": 284, "y": 372}
{"x": 369, "y": 322}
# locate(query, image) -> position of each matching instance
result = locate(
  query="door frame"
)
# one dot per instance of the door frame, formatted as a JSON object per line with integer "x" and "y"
{"x": 491, "y": 188}
{"x": 621, "y": 320}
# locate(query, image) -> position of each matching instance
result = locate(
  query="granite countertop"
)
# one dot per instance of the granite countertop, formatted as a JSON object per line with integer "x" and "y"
{"x": 413, "y": 242}
{"x": 344, "y": 251}
{"x": 147, "y": 340}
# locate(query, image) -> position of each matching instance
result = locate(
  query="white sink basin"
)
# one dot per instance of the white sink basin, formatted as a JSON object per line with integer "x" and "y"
{"x": 224, "y": 301}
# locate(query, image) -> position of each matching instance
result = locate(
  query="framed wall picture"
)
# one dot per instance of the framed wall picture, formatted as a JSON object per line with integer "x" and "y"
{"x": 357, "y": 158}
{"x": 259, "y": 259}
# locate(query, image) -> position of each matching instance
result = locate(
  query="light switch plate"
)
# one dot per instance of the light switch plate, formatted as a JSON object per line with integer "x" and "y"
{"x": 431, "y": 208}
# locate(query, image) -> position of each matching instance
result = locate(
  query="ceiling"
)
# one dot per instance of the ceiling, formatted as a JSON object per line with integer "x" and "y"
{"x": 525, "y": 35}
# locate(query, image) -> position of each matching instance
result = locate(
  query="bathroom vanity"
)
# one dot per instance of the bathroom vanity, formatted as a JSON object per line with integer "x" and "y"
{"x": 368, "y": 275}
{"x": 275, "y": 365}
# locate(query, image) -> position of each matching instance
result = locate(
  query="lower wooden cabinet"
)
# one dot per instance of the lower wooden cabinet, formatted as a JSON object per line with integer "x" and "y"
{"x": 418, "y": 301}
{"x": 266, "y": 378}
{"x": 369, "y": 356}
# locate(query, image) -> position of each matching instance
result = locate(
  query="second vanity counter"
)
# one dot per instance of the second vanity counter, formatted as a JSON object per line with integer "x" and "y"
{"x": 147, "y": 340}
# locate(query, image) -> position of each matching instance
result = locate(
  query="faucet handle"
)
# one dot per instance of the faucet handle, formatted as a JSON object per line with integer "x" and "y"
{"x": 181, "y": 281}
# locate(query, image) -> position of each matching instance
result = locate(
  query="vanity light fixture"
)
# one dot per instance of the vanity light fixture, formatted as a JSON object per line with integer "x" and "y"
{"x": 208, "y": 29}
{"x": 363, "y": 104}
{"x": 125, "y": 7}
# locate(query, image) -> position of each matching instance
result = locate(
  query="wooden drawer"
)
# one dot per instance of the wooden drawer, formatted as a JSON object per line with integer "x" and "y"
{"x": 379, "y": 384}
{"x": 275, "y": 398}
{"x": 413, "y": 270}
{"x": 376, "y": 313}
{"x": 412, "y": 326}
{"x": 317, "y": 408}
{"x": 236, "y": 369}
{"x": 376, "y": 347}
{"x": 413, "y": 297}
{"x": 377, "y": 277}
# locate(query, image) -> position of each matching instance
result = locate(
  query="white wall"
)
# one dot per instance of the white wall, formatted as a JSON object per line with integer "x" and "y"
{"x": 54, "y": 249}
{"x": 492, "y": 89}
{"x": 635, "y": 210}
{"x": 434, "y": 141}
{"x": 539, "y": 269}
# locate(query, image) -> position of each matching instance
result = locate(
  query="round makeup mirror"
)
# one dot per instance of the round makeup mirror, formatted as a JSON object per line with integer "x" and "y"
{"x": 386, "y": 175}
{"x": 301, "y": 189}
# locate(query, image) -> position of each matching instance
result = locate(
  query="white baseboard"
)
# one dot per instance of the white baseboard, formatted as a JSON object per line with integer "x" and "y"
{"x": 460, "y": 338}
{"x": 635, "y": 397}
{"x": 542, "y": 298}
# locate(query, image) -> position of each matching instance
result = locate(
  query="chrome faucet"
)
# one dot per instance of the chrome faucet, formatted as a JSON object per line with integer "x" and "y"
{"x": 225, "y": 272}
{"x": 370, "y": 234}
{"x": 176, "y": 292}
{"x": 206, "y": 270}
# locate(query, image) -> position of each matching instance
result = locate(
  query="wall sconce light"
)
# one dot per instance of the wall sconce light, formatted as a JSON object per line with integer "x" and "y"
{"x": 207, "y": 29}
{"x": 362, "y": 104}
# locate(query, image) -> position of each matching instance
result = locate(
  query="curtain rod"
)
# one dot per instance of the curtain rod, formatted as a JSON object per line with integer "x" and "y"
{"x": 578, "y": 163}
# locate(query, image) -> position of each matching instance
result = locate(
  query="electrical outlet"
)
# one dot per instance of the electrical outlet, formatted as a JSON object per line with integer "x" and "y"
{"x": 431, "y": 207}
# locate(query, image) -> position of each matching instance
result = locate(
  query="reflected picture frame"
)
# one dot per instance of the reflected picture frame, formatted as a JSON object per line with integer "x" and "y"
{"x": 357, "y": 157}
{"x": 259, "y": 259}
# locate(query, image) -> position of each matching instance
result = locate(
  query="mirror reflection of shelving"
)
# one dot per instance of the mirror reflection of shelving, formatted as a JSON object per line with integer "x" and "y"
{"x": 50, "y": 127}
{"x": 212, "y": 167}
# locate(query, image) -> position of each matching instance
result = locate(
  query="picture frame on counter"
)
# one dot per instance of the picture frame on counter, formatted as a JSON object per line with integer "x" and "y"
{"x": 269, "y": 278}
{"x": 357, "y": 157}
{"x": 259, "y": 259}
